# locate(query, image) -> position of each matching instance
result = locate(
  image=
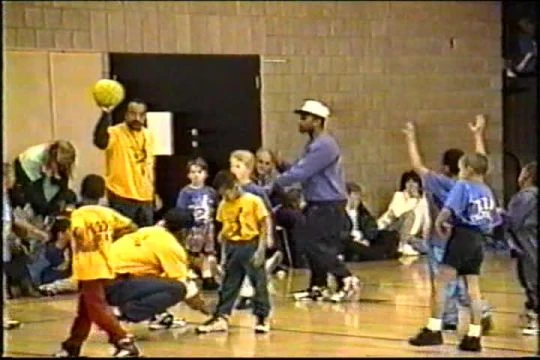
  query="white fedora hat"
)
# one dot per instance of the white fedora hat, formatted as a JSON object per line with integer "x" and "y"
{"x": 314, "y": 107}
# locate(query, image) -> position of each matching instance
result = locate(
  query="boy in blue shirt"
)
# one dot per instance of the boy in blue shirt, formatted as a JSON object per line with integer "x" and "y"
{"x": 437, "y": 186}
{"x": 469, "y": 213}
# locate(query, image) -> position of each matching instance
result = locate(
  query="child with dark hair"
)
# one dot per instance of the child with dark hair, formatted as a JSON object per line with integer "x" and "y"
{"x": 57, "y": 254}
{"x": 246, "y": 226}
{"x": 92, "y": 190}
{"x": 201, "y": 200}
{"x": 522, "y": 223}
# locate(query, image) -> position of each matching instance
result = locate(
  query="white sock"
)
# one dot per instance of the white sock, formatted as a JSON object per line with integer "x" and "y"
{"x": 474, "y": 330}
{"x": 434, "y": 324}
{"x": 191, "y": 289}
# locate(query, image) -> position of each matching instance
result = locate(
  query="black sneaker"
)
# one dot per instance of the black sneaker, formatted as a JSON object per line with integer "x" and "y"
{"x": 126, "y": 348}
{"x": 427, "y": 337}
{"x": 487, "y": 324}
{"x": 449, "y": 327}
{"x": 166, "y": 321}
{"x": 244, "y": 303}
{"x": 314, "y": 294}
{"x": 68, "y": 351}
{"x": 470, "y": 343}
{"x": 262, "y": 326}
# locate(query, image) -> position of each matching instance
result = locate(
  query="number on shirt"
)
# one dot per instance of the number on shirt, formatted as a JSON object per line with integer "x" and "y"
{"x": 482, "y": 209}
{"x": 91, "y": 237}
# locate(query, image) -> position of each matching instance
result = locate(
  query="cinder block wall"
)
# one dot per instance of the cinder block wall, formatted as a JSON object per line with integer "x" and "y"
{"x": 378, "y": 64}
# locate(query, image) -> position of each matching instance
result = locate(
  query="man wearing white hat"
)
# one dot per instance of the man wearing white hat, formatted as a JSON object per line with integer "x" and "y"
{"x": 320, "y": 172}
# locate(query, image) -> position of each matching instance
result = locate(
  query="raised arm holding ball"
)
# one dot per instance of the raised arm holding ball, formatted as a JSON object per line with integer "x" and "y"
{"x": 129, "y": 155}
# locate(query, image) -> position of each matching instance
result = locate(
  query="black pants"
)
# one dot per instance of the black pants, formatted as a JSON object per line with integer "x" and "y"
{"x": 141, "y": 299}
{"x": 384, "y": 247}
{"x": 528, "y": 284}
{"x": 141, "y": 212}
{"x": 322, "y": 237}
{"x": 237, "y": 266}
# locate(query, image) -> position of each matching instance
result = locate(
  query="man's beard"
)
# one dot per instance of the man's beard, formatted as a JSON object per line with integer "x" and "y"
{"x": 135, "y": 126}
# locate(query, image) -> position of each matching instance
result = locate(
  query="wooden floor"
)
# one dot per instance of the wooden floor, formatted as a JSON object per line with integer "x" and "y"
{"x": 393, "y": 306}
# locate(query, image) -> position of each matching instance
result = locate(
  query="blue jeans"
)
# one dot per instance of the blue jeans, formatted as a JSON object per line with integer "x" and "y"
{"x": 37, "y": 263}
{"x": 455, "y": 292}
{"x": 141, "y": 299}
{"x": 238, "y": 265}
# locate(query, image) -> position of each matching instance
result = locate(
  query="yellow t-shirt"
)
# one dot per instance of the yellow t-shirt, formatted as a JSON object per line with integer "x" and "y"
{"x": 92, "y": 229}
{"x": 242, "y": 217}
{"x": 129, "y": 164}
{"x": 150, "y": 251}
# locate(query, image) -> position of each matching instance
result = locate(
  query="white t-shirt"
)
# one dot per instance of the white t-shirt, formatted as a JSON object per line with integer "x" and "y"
{"x": 402, "y": 203}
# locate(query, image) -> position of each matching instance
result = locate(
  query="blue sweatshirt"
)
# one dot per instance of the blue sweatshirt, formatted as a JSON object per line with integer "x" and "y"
{"x": 319, "y": 170}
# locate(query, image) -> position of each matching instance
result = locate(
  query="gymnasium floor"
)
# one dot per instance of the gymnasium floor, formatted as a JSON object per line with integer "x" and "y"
{"x": 393, "y": 306}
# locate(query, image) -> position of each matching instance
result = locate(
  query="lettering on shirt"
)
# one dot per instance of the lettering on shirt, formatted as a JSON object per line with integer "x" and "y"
{"x": 91, "y": 237}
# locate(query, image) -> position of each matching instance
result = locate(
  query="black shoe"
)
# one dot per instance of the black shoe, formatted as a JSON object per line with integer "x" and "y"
{"x": 427, "y": 337}
{"x": 262, "y": 326}
{"x": 209, "y": 284}
{"x": 470, "y": 343}
{"x": 449, "y": 327}
{"x": 487, "y": 324}
{"x": 126, "y": 348}
{"x": 68, "y": 351}
{"x": 244, "y": 303}
{"x": 314, "y": 294}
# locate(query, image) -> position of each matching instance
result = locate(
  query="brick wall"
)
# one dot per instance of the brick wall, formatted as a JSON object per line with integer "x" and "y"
{"x": 378, "y": 64}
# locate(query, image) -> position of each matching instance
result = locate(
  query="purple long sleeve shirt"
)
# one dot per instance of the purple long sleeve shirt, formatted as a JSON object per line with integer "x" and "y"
{"x": 319, "y": 170}
{"x": 522, "y": 220}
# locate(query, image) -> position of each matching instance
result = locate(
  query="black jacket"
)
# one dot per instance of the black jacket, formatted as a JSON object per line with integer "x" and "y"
{"x": 366, "y": 223}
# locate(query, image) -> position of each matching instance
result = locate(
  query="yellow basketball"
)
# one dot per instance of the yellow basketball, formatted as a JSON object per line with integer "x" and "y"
{"x": 108, "y": 93}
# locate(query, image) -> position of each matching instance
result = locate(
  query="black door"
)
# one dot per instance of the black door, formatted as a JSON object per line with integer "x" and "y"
{"x": 216, "y": 94}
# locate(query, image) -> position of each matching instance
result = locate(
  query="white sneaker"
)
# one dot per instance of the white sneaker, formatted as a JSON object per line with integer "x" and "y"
{"x": 349, "y": 292}
{"x": 214, "y": 324}
{"x": 262, "y": 325}
{"x": 11, "y": 324}
{"x": 116, "y": 311}
{"x": 166, "y": 321}
{"x": 408, "y": 250}
{"x": 532, "y": 325}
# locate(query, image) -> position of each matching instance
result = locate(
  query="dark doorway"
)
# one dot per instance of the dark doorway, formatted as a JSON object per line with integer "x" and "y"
{"x": 219, "y": 95}
{"x": 520, "y": 95}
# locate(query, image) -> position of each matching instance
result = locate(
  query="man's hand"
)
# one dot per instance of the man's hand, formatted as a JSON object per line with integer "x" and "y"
{"x": 270, "y": 242}
{"x": 198, "y": 303}
{"x": 410, "y": 130}
{"x": 479, "y": 125}
{"x": 258, "y": 258}
{"x": 444, "y": 229}
{"x": 107, "y": 110}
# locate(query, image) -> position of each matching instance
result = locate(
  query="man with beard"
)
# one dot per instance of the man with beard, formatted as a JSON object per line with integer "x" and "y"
{"x": 129, "y": 161}
{"x": 320, "y": 172}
